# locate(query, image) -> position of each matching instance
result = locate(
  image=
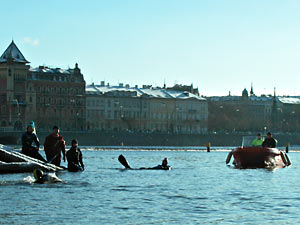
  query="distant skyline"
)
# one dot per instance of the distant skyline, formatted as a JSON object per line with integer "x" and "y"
{"x": 220, "y": 46}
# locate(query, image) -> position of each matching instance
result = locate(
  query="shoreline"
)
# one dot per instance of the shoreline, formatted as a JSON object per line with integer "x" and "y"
{"x": 156, "y": 148}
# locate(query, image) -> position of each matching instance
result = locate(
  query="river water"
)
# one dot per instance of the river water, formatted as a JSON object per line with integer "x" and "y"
{"x": 200, "y": 189}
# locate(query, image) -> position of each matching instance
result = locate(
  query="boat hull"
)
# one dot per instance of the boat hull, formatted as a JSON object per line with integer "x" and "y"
{"x": 15, "y": 162}
{"x": 258, "y": 157}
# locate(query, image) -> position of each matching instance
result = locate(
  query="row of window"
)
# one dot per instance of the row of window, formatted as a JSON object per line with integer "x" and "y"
{"x": 60, "y": 101}
{"x": 116, "y": 104}
{"x": 119, "y": 114}
{"x": 148, "y": 127}
{"x": 62, "y": 112}
{"x": 60, "y": 90}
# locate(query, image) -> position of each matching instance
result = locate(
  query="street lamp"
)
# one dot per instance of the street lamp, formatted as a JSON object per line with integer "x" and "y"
{"x": 77, "y": 115}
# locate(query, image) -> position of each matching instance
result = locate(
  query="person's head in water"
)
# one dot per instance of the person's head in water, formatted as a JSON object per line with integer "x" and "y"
{"x": 38, "y": 174}
{"x": 258, "y": 136}
{"x": 74, "y": 143}
{"x": 164, "y": 163}
{"x": 55, "y": 130}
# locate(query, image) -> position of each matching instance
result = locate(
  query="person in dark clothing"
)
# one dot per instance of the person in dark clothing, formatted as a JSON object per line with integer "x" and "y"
{"x": 27, "y": 143}
{"x": 55, "y": 145}
{"x": 164, "y": 165}
{"x": 74, "y": 157}
{"x": 269, "y": 142}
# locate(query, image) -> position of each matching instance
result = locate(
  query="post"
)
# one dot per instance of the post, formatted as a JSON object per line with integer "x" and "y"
{"x": 287, "y": 147}
{"x": 208, "y": 146}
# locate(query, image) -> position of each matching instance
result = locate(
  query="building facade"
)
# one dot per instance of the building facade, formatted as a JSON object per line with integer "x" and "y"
{"x": 254, "y": 113}
{"x": 13, "y": 74}
{"x": 122, "y": 108}
{"x": 48, "y": 96}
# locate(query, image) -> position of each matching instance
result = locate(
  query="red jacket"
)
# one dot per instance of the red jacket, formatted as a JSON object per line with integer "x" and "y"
{"x": 53, "y": 146}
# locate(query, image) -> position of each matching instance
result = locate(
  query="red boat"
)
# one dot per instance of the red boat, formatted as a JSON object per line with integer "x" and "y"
{"x": 258, "y": 157}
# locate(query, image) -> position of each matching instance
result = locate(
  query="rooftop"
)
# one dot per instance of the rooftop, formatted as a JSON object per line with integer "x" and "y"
{"x": 45, "y": 69}
{"x": 139, "y": 92}
{"x": 13, "y": 53}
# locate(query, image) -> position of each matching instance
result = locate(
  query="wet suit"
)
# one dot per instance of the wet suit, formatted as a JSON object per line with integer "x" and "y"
{"x": 41, "y": 177}
{"x": 27, "y": 147}
{"x": 158, "y": 167}
{"x": 74, "y": 157}
{"x": 124, "y": 162}
{"x": 54, "y": 145}
{"x": 269, "y": 142}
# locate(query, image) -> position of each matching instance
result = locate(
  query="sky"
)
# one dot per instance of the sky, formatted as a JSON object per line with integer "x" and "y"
{"x": 219, "y": 46}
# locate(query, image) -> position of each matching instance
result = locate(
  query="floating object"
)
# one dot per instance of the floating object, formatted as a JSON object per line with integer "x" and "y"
{"x": 15, "y": 162}
{"x": 258, "y": 157}
{"x": 287, "y": 145}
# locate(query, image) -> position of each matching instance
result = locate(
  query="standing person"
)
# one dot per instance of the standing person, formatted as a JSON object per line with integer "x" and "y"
{"x": 27, "y": 143}
{"x": 74, "y": 157}
{"x": 269, "y": 142}
{"x": 53, "y": 146}
{"x": 257, "y": 141}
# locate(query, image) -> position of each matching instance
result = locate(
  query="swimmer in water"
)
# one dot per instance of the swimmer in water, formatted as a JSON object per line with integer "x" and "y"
{"x": 164, "y": 165}
{"x": 42, "y": 178}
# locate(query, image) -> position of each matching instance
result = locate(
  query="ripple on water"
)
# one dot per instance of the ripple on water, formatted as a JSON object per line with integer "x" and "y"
{"x": 200, "y": 189}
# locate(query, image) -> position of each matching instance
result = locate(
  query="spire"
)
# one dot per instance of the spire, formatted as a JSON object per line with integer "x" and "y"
{"x": 13, "y": 53}
{"x": 274, "y": 92}
{"x": 251, "y": 91}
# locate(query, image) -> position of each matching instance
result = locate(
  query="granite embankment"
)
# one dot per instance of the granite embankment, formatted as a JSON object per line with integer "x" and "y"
{"x": 149, "y": 139}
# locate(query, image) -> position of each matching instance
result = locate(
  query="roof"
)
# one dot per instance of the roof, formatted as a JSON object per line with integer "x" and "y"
{"x": 139, "y": 92}
{"x": 12, "y": 52}
{"x": 44, "y": 69}
{"x": 239, "y": 98}
{"x": 289, "y": 100}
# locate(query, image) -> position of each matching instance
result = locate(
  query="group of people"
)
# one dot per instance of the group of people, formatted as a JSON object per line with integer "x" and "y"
{"x": 54, "y": 148}
{"x": 269, "y": 141}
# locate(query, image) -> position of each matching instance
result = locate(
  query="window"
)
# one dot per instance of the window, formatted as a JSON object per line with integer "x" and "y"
{"x": 3, "y": 97}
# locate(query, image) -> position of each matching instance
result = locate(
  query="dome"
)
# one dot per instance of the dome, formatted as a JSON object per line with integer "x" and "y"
{"x": 245, "y": 93}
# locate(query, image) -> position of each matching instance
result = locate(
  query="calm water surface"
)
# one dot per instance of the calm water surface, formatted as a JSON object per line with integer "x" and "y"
{"x": 200, "y": 189}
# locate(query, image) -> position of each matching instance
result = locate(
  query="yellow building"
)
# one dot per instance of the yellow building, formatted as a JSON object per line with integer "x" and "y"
{"x": 133, "y": 109}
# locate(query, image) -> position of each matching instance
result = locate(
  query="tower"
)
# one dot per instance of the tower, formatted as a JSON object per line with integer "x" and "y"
{"x": 13, "y": 75}
{"x": 251, "y": 91}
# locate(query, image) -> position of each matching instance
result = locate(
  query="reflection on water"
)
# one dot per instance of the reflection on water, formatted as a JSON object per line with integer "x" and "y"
{"x": 200, "y": 189}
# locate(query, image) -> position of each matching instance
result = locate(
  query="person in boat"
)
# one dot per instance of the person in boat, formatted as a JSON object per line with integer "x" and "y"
{"x": 28, "y": 138}
{"x": 269, "y": 142}
{"x": 74, "y": 157}
{"x": 41, "y": 177}
{"x": 55, "y": 145}
{"x": 164, "y": 165}
{"x": 257, "y": 142}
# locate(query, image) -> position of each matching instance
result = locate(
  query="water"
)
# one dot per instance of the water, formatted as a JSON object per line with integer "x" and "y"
{"x": 200, "y": 189}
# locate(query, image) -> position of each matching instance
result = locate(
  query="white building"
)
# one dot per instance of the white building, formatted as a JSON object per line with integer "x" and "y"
{"x": 147, "y": 109}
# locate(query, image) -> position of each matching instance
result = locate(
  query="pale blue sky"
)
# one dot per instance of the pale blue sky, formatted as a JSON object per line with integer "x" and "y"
{"x": 218, "y": 45}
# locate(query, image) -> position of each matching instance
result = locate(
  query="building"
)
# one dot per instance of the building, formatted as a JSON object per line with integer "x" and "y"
{"x": 56, "y": 96}
{"x": 147, "y": 109}
{"x": 13, "y": 75}
{"x": 253, "y": 113}
{"x": 179, "y": 87}
{"x": 49, "y": 96}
